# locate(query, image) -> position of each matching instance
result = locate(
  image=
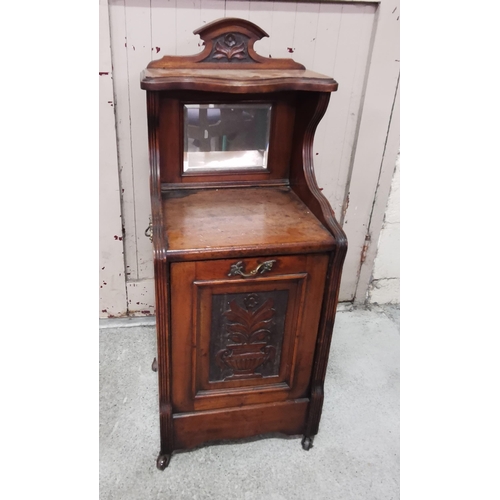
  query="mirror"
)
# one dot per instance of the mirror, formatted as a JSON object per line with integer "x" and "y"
{"x": 226, "y": 136}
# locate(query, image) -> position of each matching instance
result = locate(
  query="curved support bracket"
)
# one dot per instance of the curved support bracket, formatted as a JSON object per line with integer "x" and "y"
{"x": 302, "y": 177}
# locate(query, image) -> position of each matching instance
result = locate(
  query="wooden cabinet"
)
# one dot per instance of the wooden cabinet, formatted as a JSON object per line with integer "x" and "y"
{"x": 247, "y": 251}
{"x": 241, "y": 342}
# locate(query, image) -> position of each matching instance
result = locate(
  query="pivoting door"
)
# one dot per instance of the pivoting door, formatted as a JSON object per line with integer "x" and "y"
{"x": 240, "y": 337}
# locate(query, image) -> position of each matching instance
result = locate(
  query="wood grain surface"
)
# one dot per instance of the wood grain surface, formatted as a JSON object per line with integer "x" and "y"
{"x": 254, "y": 219}
{"x": 194, "y": 286}
{"x": 247, "y": 277}
{"x": 193, "y": 429}
{"x": 236, "y": 81}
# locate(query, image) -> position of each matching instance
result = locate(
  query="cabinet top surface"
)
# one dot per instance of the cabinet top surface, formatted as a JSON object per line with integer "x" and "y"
{"x": 236, "y": 80}
{"x": 223, "y": 220}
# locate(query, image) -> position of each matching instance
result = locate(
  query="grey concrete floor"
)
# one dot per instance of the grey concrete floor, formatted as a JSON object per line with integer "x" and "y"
{"x": 355, "y": 454}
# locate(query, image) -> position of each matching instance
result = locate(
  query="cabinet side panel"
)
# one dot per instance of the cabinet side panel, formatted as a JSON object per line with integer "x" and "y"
{"x": 170, "y": 153}
{"x": 309, "y": 325}
{"x": 183, "y": 338}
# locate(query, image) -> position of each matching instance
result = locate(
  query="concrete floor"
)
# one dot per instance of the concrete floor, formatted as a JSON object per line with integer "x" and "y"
{"x": 355, "y": 454}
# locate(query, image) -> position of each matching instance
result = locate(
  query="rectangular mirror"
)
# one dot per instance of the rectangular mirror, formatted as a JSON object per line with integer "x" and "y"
{"x": 226, "y": 136}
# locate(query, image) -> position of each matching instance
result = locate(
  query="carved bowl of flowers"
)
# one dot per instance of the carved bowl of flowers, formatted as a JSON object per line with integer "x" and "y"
{"x": 245, "y": 359}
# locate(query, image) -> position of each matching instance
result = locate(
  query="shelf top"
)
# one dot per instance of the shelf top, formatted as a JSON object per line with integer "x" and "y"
{"x": 236, "y": 80}
{"x": 215, "y": 223}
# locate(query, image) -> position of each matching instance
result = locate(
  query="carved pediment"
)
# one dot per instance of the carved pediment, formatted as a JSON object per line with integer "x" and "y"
{"x": 228, "y": 44}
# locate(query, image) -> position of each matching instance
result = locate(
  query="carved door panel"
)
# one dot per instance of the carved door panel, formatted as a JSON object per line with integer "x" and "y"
{"x": 240, "y": 340}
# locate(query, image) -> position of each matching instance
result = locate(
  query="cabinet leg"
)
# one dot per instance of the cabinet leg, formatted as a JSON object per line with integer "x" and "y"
{"x": 307, "y": 442}
{"x": 162, "y": 461}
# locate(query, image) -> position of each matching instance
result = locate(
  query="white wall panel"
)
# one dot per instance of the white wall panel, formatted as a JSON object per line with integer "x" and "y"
{"x": 282, "y": 29}
{"x": 334, "y": 38}
{"x": 112, "y": 295}
{"x": 210, "y": 10}
{"x": 261, "y": 13}
{"x": 163, "y": 28}
{"x": 385, "y": 284}
{"x": 188, "y": 18}
{"x": 342, "y": 27}
{"x": 141, "y": 297}
{"x": 370, "y": 181}
{"x": 237, "y": 8}
{"x": 304, "y": 33}
{"x": 325, "y": 148}
{"x": 139, "y": 54}
{"x": 386, "y": 252}
{"x": 124, "y": 142}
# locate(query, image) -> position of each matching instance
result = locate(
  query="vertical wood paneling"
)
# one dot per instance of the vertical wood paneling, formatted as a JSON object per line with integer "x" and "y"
{"x": 138, "y": 23}
{"x": 141, "y": 297}
{"x": 355, "y": 32}
{"x": 210, "y": 11}
{"x": 188, "y": 18}
{"x": 304, "y": 36}
{"x": 337, "y": 134}
{"x": 373, "y": 128}
{"x": 379, "y": 209}
{"x": 261, "y": 15}
{"x": 371, "y": 140}
{"x": 331, "y": 38}
{"x": 163, "y": 35}
{"x": 236, "y": 8}
{"x": 122, "y": 113}
{"x": 326, "y": 161}
{"x": 281, "y": 33}
{"x": 112, "y": 296}
{"x": 327, "y": 38}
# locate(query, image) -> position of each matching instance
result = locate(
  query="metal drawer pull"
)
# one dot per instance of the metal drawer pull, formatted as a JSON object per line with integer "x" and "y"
{"x": 238, "y": 268}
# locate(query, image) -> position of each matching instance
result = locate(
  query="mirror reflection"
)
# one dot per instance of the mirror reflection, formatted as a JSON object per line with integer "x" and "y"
{"x": 226, "y": 136}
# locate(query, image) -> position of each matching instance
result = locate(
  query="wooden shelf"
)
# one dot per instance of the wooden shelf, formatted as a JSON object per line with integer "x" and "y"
{"x": 236, "y": 80}
{"x": 215, "y": 222}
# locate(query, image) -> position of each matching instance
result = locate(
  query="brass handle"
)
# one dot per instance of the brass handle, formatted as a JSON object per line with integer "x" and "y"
{"x": 238, "y": 268}
{"x": 149, "y": 230}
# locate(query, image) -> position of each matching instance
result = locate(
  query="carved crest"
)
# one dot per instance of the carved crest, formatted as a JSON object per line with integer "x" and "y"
{"x": 227, "y": 42}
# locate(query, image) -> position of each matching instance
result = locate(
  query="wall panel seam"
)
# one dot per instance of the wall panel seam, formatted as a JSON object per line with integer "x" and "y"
{"x": 122, "y": 225}
{"x": 383, "y": 155}
{"x": 369, "y": 225}
{"x": 131, "y": 150}
{"x": 359, "y": 117}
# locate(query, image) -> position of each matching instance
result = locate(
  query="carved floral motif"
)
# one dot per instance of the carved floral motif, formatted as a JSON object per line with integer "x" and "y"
{"x": 229, "y": 48}
{"x": 249, "y": 330}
